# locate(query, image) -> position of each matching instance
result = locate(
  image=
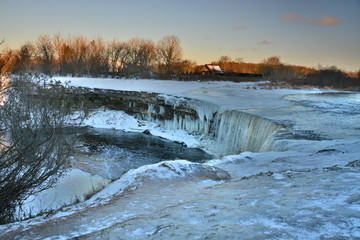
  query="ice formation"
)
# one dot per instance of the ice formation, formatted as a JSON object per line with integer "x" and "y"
{"x": 223, "y": 132}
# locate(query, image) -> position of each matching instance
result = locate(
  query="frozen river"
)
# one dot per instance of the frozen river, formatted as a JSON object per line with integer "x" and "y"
{"x": 304, "y": 187}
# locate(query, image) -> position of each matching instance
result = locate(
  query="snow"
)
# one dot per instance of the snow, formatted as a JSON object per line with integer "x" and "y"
{"x": 103, "y": 118}
{"x": 170, "y": 87}
{"x": 215, "y": 68}
{"x": 130, "y": 179}
{"x": 72, "y": 187}
{"x": 300, "y": 187}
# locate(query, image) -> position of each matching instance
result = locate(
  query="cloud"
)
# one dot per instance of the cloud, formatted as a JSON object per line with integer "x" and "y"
{"x": 240, "y": 27}
{"x": 266, "y": 42}
{"x": 325, "y": 21}
{"x": 291, "y": 17}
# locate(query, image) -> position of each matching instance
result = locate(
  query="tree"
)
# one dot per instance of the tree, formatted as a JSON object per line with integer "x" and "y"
{"x": 275, "y": 60}
{"x": 25, "y": 57}
{"x": 96, "y": 62}
{"x": 169, "y": 53}
{"x": 45, "y": 53}
{"x": 78, "y": 51}
{"x": 116, "y": 53}
{"x": 34, "y": 150}
{"x": 226, "y": 64}
{"x": 224, "y": 59}
{"x": 239, "y": 60}
{"x": 140, "y": 58}
{"x": 187, "y": 67}
{"x": 7, "y": 62}
{"x": 271, "y": 68}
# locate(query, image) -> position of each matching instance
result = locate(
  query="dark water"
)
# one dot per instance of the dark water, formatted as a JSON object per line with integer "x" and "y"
{"x": 113, "y": 152}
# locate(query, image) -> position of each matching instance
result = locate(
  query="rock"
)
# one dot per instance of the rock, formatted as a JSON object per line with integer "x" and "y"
{"x": 355, "y": 163}
{"x": 147, "y": 132}
{"x": 328, "y": 151}
{"x": 353, "y": 199}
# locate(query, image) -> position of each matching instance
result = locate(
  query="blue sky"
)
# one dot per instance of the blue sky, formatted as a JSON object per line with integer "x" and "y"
{"x": 306, "y": 32}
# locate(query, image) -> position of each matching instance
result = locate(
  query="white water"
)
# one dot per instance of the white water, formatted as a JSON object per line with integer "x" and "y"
{"x": 237, "y": 132}
{"x": 223, "y": 132}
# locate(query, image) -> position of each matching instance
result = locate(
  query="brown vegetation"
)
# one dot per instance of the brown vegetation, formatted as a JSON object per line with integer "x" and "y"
{"x": 296, "y": 76}
{"x": 79, "y": 56}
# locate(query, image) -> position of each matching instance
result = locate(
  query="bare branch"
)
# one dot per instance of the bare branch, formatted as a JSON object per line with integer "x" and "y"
{"x": 33, "y": 146}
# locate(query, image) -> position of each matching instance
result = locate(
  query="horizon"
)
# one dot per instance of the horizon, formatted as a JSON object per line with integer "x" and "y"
{"x": 306, "y": 33}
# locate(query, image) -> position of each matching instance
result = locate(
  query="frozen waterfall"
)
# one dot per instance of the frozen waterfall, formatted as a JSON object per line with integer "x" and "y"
{"x": 222, "y": 132}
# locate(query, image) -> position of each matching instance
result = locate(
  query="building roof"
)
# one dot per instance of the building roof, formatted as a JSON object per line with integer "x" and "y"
{"x": 214, "y": 68}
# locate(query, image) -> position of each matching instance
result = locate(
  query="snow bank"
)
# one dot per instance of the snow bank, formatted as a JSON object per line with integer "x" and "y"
{"x": 148, "y": 85}
{"x": 71, "y": 188}
{"x": 134, "y": 178}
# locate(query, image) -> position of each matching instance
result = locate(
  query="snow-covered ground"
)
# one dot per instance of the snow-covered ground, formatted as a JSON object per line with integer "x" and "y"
{"x": 309, "y": 190}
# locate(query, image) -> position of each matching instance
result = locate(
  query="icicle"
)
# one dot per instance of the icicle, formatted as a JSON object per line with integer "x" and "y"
{"x": 225, "y": 132}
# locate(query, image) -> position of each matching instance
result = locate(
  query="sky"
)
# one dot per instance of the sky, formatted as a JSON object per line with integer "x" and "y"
{"x": 300, "y": 32}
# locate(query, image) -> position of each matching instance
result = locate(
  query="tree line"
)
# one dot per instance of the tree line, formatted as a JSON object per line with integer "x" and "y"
{"x": 144, "y": 58}
{"x": 79, "y": 56}
{"x": 296, "y": 76}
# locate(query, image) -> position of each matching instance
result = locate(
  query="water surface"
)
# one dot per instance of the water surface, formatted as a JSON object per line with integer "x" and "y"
{"x": 110, "y": 153}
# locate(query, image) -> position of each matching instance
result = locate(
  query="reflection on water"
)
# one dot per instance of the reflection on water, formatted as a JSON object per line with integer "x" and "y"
{"x": 110, "y": 153}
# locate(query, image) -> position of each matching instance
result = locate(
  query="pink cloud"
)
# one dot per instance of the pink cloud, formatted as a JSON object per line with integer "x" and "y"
{"x": 291, "y": 17}
{"x": 266, "y": 42}
{"x": 325, "y": 21}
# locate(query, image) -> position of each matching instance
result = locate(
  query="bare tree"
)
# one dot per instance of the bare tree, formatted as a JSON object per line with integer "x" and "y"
{"x": 78, "y": 54}
{"x": 275, "y": 60}
{"x": 147, "y": 57}
{"x": 33, "y": 147}
{"x": 59, "y": 58}
{"x": 96, "y": 62}
{"x": 26, "y": 56}
{"x": 45, "y": 53}
{"x": 169, "y": 54}
{"x": 140, "y": 58}
{"x": 116, "y": 54}
{"x": 224, "y": 59}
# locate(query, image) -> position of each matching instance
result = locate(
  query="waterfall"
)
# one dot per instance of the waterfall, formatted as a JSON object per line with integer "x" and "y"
{"x": 236, "y": 132}
{"x": 222, "y": 132}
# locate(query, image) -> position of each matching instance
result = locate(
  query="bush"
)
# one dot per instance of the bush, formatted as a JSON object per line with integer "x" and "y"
{"x": 34, "y": 150}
